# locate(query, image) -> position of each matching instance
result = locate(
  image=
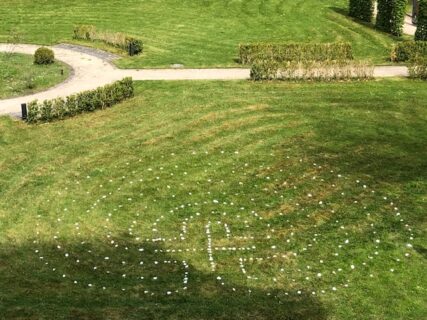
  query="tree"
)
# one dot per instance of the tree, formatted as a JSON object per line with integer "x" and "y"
{"x": 391, "y": 16}
{"x": 362, "y": 9}
{"x": 421, "y": 33}
{"x": 398, "y": 13}
{"x": 384, "y": 15}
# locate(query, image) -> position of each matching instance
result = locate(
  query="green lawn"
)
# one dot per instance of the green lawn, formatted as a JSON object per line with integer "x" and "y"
{"x": 20, "y": 76}
{"x": 263, "y": 200}
{"x": 198, "y": 33}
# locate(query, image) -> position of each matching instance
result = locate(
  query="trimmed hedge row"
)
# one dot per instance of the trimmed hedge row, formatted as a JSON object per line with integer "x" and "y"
{"x": 330, "y": 70}
{"x": 407, "y": 50}
{"x": 280, "y": 52}
{"x": 119, "y": 40}
{"x": 361, "y": 9}
{"x": 87, "y": 101}
{"x": 391, "y": 16}
{"x": 421, "y": 33}
{"x": 418, "y": 68}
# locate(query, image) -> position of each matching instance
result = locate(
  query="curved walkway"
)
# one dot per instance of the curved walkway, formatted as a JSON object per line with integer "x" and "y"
{"x": 92, "y": 69}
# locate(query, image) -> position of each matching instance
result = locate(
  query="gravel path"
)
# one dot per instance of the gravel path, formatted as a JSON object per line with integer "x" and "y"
{"x": 92, "y": 69}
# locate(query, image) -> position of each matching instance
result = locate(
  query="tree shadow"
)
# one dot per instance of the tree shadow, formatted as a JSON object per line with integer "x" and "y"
{"x": 344, "y": 12}
{"x": 32, "y": 289}
{"x": 369, "y": 139}
{"x": 341, "y": 11}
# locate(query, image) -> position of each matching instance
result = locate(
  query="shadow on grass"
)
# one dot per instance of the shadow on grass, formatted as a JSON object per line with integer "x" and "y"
{"x": 344, "y": 12}
{"x": 379, "y": 136}
{"x": 32, "y": 290}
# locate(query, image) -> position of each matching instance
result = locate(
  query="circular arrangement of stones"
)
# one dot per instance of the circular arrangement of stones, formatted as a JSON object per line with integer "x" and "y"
{"x": 293, "y": 226}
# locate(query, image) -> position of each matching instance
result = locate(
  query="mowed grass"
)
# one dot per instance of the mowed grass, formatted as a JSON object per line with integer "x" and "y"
{"x": 195, "y": 33}
{"x": 160, "y": 178}
{"x": 20, "y": 76}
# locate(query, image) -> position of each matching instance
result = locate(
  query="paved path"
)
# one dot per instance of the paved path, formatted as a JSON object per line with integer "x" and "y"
{"x": 408, "y": 27}
{"x": 92, "y": 69}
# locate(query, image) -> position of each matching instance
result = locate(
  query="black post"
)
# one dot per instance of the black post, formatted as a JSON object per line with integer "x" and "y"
{"x": 24, "y": 111}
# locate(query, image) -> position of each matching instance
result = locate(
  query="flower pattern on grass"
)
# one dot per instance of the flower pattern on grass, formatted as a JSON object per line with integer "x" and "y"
{"x": 302, "y": 230}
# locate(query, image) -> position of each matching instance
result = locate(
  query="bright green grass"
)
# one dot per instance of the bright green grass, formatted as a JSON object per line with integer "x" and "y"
{"x": 268, "y": 147}
{"x": 20, "y": 76}
{"x": 194, "y": 32}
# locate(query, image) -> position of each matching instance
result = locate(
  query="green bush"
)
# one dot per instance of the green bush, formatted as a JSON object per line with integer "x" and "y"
{"x": 312, "y": 70}
{"x": 383, "y": 20}
{"x": 362, "y": 9}
{"x": 44, "y": 56}
{"x": 418, "y": 68}
{"x": 281, "y": 52}
{"x": 131, "y": 45}
{"x": 33, "y": 112}
{"x": 84, "y": 32}
{"x": 421, "y": 33}
{"x": 87, "y": 101}
{"x": 398, "y": 13}
{"x": 407, "y": 50}
{"x": 391, "y": 16}
{"x": 266, "y": 69}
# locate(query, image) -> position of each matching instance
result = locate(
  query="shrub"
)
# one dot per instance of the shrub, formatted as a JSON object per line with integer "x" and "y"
{"x": 33, "y": 112}
{"x": 100, "y": 98}
{"x": 84, "y": 32}
{"x": 391, "y": 16}
{"x": 407, "y": 50}
{"x": 281, "y": 52}
{"x": 313, "y": 70}
{"x": 418, "y": 68}
{"x": 266, "y": 69}
{"x": 44, "y": 56}
{"x": 384, "y": 15}
{"x": 421, "y": 33}
{"x": 131, "y": 45}
{"x": 46, "y": 110}
{"x": 398, "y": 13}
{"x": 362, "y": 9}
{"x": 29, "y": 81}
{"x": 134, "y": 46}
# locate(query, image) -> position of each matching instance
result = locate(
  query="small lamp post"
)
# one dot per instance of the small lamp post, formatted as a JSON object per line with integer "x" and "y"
{"x": 24, "y": 111}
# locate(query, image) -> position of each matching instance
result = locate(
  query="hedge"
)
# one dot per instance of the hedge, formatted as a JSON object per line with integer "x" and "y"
{"x": 362, "y": 9}
{"x": 384, "y": 15}
{"x": 398, "y": 13}
{"x": 280, "y": 52}
{"x": 311, "y": 70}
{"x": 421, "y": 33}
{"x": 100, "y": 98}
{"x": 131, "y": 45}
{"x": 407, "y": 50}
{"x": 418, "y": 68}
{"x": 391, "y": 16}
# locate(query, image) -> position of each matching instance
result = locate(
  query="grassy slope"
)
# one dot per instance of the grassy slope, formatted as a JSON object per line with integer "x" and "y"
{"x": 194, "y": 32}
{"x": 20, "y": 76}
{"x": 375, "y": 132}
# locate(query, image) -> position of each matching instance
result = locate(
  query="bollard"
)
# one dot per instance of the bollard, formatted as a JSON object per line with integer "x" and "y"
{"x": 24, "y": 111}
